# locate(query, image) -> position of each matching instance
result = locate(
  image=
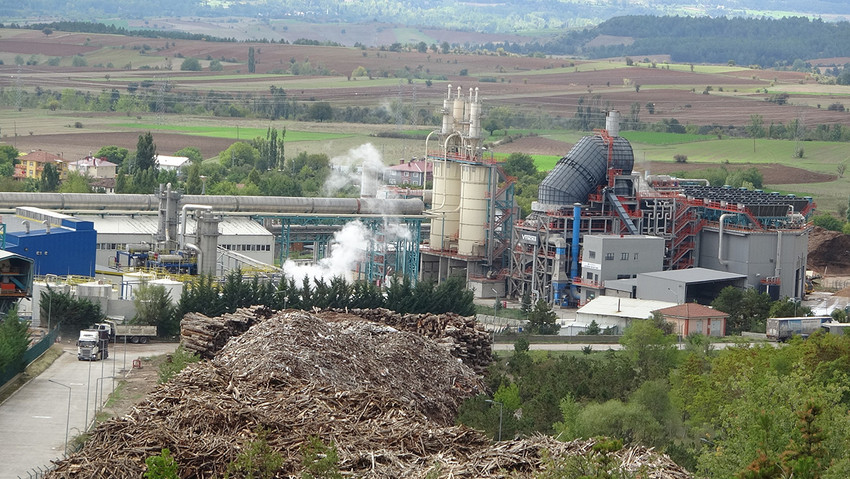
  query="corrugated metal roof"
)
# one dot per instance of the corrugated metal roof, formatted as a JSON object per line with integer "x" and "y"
{"x": 623, "y": 307}
{"x": 148, "y": 224}
{"x": 693, "y": 275}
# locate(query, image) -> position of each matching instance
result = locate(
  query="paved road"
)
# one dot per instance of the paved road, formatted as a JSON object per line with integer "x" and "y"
{"x": 33, "y": 420}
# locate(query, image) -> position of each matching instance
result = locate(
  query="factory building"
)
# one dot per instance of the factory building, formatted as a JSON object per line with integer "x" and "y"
{"x": 473, "y": 207}
{"x": 119, "y": 232}
{"x": 55, "y": 242}
{"x": 592, "y": 193}
{"x": 613, "y": 257}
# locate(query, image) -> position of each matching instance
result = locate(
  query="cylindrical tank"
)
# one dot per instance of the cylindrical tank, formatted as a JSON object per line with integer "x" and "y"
{"x": 37, "y": 288}
{"x": 130, "y": 282}
{"x": 170, "y": 258}
{"x": 207, "y": 234}
{"x": 584, "y": 168}
{"x": 612, "y": 123}
{"x": 475, "y": 180}
{"x": 173, "y": 288}
{"x": 475, "y": 120}
{"x": 457, "y": 111}
{"x": 447, "y": 113}
{"x": 446, "y": 181}
{"x": 97, "y": 293}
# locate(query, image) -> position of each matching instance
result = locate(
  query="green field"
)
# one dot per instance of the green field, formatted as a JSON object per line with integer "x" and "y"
{"x": 236, "y": 133}
{"x": 658, "y": 138}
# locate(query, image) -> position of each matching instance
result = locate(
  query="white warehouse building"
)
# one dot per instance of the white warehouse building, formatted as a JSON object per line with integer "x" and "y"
{"x": 236, "y": 233}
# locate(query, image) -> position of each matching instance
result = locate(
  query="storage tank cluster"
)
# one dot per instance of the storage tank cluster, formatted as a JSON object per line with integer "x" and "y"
{"x": 461, "y": 181}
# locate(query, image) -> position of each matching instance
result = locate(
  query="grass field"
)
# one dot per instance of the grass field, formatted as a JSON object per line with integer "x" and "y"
{"x": 658, "y": 138}
{"x": 235, "y": 132}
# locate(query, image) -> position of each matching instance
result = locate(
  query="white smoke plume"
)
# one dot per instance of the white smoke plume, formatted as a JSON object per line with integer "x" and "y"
{"x": 346, "y": 170}
{"x": 348, "y": 248}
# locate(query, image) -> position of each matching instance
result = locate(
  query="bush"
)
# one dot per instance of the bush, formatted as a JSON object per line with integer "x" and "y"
{"x": 191, "y": 64}
{"x": 680, "y": 158}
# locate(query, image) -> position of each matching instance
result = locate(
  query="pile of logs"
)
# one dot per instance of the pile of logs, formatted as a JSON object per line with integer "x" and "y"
{"x": 461, "y": 337}
{"x": 385, "y": 399}
{"x": 206, "y": 336}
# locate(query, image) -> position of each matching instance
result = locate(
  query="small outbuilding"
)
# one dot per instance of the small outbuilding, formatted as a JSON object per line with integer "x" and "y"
{"x": 617, "y": 313}
{"x": 693, "y": 318}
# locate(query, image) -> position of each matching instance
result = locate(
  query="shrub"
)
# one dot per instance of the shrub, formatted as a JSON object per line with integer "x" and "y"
{"x": 680, "y": 158}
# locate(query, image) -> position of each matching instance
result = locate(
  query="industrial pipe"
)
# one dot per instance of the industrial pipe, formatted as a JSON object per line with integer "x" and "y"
{"x": 183, "y": 219}
{"x": 720, "y": 239}
{"x": 574, "y": 250}
{"x": 199, "y": 262}
{"x": 259, "y": 204}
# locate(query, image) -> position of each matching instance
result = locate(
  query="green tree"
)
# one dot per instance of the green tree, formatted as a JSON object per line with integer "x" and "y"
{"x": 162, "y": 466}
{"x": 14, "y": 339}
{"x": 542, "y": 319}
{"x": 216, "y": 66}
{"x": 239, "y": 153}
{"x": 492, "y": 125}
{"x": 49, "y": 178}
{"x": 520, "y": 164}
{"x": 320, "y": 111}
{"x": 827, "y": 221}
{"x": 756, "y": 126}
{"x": 252, "y": 66}
{"x": 191, "y": 152}
{"x": 191, "y": 64}
{"x": 145, "y": 153}
{"x": 75, "y": 183}
{"x": 747, "y": 309}
{"x": 651, "y": 352}
{"x": 194, "y": 184}
{"x": 70, "y": 313}
{"x": 113, "y": 153}
{"x": 154, "y": 308}
{"x": 257, "y": 460}
{"x": 181, "y": 358}
{"x": 319, "y": 460}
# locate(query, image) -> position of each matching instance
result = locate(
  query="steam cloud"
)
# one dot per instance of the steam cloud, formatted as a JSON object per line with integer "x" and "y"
{"x": 344, "y": 171}
{"x": 348, "y": 247}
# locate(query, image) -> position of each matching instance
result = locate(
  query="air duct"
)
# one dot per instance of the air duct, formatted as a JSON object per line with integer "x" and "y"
{"x": 585, "y": 167}
{"x": 720, "y": 239}
{"x": 574, "y": 249}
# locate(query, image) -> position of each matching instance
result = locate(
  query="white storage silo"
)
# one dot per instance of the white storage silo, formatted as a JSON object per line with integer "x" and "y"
{"x": 131, "y": 282}
{"x": 475, "y": 181}
{"x": 97, "y": 292}
{"x": 173, "y": 288}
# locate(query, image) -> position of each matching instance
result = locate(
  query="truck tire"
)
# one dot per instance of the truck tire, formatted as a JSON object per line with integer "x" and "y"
{"x": 134, "y": 339}
{"x": 143, "y": 340}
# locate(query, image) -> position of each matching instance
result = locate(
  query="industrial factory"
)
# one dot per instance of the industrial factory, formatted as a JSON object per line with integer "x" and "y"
{"x": 598, "y": 224}
{"x": 596, "y": 229}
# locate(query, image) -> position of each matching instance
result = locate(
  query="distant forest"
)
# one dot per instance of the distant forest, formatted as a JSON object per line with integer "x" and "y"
{"x": 532, "y": 17}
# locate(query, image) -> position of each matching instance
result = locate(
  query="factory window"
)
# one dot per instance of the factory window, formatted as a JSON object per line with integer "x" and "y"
{"x": 635, "y": 256}
{"x": 624, "y": 256}
{"x": 609, "y": 256}
{"x": 589, "y": 275}
{"x": 624, "y": 276}
{"x": 591, "y": 254}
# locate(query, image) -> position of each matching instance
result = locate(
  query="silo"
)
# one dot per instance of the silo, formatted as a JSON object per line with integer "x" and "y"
{"x": 39, "y": 287}
{"x": 457, "y": 111}
{"x": 475, "y": 117}
{"x": 97, "y": 292}
{"x": 130, "y": 282}
{"x": 447, "y": 113}
{"x": 207, "y": 237}
{"x": 446, "y": 201}
{"x": 475, "y": 180}
{"x": 173, "y": 288}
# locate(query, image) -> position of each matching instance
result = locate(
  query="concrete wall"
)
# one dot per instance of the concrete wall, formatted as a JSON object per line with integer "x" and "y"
{"x": 608, "y": 257}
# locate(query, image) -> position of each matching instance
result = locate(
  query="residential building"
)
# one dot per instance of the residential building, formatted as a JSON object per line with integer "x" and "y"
{"x": 94, "y": 167}
{"x": 32, "y": 165}
{"x": 693, "y": 318}
{"x": 171, "y": 163}
{"x": 416, "y": 172}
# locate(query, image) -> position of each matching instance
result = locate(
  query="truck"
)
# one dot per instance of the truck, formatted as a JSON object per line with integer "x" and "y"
{"x": 92, "y": 345}
{"x": 782, "y": 329}
{"x": 133, "y": 333}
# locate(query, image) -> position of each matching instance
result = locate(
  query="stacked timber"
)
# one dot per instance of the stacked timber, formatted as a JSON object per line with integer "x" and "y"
{"x": 384, "y": 399}
{"x": 206, "y": 336}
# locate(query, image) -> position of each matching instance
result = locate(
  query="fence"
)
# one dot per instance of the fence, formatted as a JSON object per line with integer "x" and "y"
{"x": 31, "y": 354}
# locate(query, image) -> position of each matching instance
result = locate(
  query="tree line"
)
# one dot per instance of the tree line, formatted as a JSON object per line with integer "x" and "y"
{"x": 722, "y": 413}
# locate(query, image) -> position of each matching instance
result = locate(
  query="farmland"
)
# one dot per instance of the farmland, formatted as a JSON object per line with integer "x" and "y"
{"x": 544, "y": 92}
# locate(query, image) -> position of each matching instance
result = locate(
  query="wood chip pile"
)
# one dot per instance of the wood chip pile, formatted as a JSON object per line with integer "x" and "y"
{"x": 385, "y": 398}
{"x": 461, "y": 337}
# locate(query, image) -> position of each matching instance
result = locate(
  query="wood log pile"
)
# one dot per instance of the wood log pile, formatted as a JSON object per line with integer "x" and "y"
{"x": 386, "y": 399}
{"x": 206, "y": 336}
{"x": 461, "y": 337}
